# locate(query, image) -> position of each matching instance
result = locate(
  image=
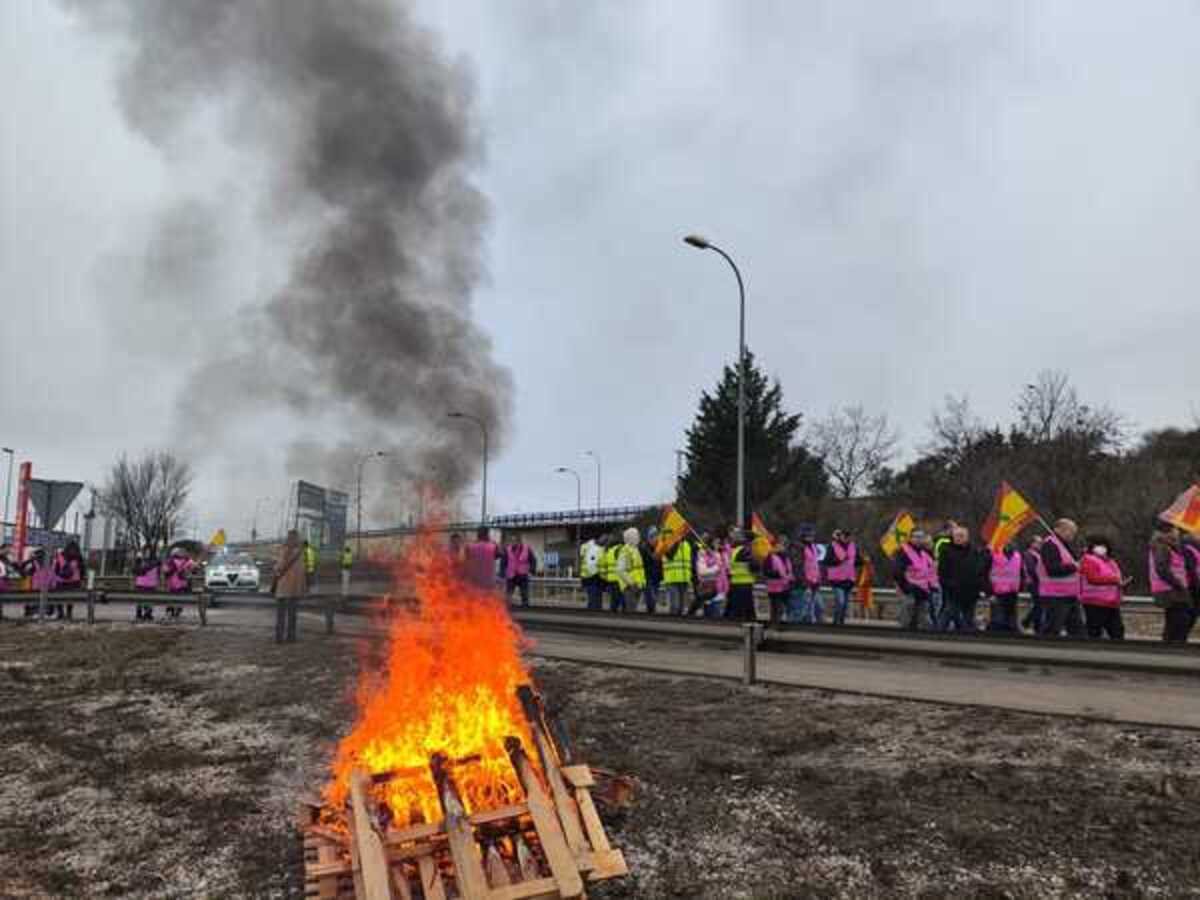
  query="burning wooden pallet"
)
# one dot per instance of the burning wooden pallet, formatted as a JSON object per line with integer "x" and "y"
{"x": 547, "y": 846}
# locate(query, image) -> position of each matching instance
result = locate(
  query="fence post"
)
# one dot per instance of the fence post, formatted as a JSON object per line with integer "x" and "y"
{"x": 751, "y": 635}
{"x": 202, "y": 607}
{"x": 42, "y": 601}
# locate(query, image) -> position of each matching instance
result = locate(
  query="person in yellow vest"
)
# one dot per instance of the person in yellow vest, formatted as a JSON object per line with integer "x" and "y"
{"x": 616, "y": 597}
{"x": 631, "y": 571}
{"x": 677, "y": 574}
{"x": 742, "y": 569}
{"x": 310, "y": 566}
{"x": 591, "y": 562}
{"x": 346, "y": 560}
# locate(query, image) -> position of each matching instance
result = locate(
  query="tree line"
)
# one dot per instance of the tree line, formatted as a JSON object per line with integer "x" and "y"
{"x": 1069, "y": 457}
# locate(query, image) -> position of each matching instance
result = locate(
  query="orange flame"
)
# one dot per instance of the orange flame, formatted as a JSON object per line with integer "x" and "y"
{"x": 449, "y": 685}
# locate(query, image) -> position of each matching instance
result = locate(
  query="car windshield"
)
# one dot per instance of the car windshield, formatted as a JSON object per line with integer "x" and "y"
{"x": 242, "y": 560}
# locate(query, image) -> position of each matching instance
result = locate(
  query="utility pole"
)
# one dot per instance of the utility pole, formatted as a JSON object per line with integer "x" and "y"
{"x": 483, "y": 428}
{"x": 373, "y": 454}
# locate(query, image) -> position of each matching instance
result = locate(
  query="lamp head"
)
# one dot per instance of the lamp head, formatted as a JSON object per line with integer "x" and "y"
{"x": 700, "y": 243}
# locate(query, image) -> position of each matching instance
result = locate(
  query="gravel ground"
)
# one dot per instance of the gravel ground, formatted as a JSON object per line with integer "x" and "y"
{"x": 168, "y": 761}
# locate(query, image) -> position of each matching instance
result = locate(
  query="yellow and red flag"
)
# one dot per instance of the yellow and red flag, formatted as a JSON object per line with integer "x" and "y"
{"x": 865, "y": 584}
{"x": 764, "y": 541}
{"x": 1185, "y": 511}
{"x": 902, "y": 526}
{"x": 673, "y": 529}
{"x": 1010, "y": 514}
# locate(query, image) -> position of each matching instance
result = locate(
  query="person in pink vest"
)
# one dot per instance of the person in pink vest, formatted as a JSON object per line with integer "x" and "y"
{"x": 69, "y": 573}
{"x": 178, "y": 570}
{"x": 1190, "y": 544}
{"x": 805, "y": 605}
{"x": 708, "y": 569}
{"x": 780, "y": 578}
{"x": 146, "y": 570}
{"x": 519, "y": 563}
{"x": 1058, "y": 580}
{"x": 1003, "y": 583}
{"x": 1169, "y": 583}
{"x": 841, "y": 572}
{"x": 1101, "y": 587}
{"x": 479, "y": 560}
{"x": 915, "y": 573}
{"x": 40, "y": 572}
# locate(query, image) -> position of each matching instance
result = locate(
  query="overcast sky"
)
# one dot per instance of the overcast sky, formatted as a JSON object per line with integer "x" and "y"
{"x": 924, "y": 198}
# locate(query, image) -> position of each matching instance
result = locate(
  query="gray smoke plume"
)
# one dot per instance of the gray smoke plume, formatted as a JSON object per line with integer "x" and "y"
{"x": 355, "y": 134}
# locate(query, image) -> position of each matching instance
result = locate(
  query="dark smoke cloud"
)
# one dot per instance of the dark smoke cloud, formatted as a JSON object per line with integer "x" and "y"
{"x": 359, "y": 144}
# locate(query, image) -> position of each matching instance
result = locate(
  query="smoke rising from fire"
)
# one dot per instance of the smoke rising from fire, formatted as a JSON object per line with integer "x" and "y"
{"x": 354, "y": 134}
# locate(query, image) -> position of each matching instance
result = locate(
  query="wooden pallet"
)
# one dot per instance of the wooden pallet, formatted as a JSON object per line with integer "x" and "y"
{"x": 550, "y": 845}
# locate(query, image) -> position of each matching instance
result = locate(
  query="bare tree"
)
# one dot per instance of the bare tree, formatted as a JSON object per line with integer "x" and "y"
{"x": 1049, "y": 409}
{"x": 147, "y": 496}
{"x": 954, "y": 429}
{"x": 854, "y": 446}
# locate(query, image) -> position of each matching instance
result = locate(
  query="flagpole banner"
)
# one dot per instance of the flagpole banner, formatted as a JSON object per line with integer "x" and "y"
{"x": 1184, "y": 513}
{"x": 671, "y": 530}
{"x": 1010, "y": 514}
{"x": 764, "y": 541}
{"x": 898, "y": 533}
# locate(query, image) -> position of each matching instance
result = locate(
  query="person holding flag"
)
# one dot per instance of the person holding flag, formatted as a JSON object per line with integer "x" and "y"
{"x": 742, "y": 569}
{"x": 1169, "y": 582}
{"x": 1058, "y": 580}
{"x": 677, "y": 572}
{"x": 1003, "y": 582}
{"x": 915, "y": 573}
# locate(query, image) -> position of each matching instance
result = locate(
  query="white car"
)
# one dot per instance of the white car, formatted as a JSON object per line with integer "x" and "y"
{"x": 231, "y": 572}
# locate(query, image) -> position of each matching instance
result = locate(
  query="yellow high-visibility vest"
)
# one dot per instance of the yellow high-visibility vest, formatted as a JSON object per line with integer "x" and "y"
{"x": 635, "y": 572}
{"x": 610, "y": 563}
{"x": 588, "y": 568}
{"x": 677, "y": 565}
{"x": 739, "y": 571}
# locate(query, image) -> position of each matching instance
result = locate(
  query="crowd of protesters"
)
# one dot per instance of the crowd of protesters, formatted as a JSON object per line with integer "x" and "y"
{"x": 1072, "y": 587}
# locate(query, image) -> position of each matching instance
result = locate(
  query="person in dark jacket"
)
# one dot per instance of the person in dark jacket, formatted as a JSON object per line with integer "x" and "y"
{"x": 654, "y": 569}
{"x": 1169, "y": 583}
{"x": 959, "y": 572}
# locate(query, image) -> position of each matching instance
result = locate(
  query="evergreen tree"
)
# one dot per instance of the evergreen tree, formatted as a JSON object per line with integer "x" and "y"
{"x": 780, "y": 472}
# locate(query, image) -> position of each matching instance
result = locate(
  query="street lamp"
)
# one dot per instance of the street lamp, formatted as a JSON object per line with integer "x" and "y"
{"x": 483, "y": 428}
{"x": 701, "y": 243}
{"x": 595, "y": 459}
{"x": 578, "y": 500}
{"x": 254, "y": 523}
{"x": 7, "y": 491}
{"x": 362, "y": 461}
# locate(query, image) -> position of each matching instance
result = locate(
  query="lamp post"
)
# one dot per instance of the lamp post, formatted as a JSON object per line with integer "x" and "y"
{"x": 596, "y": 460}
{"x": 701, "y": 243}
{"x": 362, "y": 461}
{"x": 254, "y": 523}
{"x": 483, "y": 428}
{"x": 7, "y": 492}
{"x": 578, "y": 500}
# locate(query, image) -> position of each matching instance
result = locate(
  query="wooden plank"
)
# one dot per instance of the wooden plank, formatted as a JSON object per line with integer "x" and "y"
{"x": 327, "y": 883}
{"x": 372, "y": 855}
{"x": 431, "y": 879}
{"x": 400, "y": 884}
{"x": 579, "y": 776}
{"x": 460, "y": 833}
{"x": 609, "y": 864}
{"x": 527, "y": 890}
{"x": 562, "y": 862}
{"x": 591, "y": 821}
{"x": 564, "y": 803}
{"x": 437, "y": 830}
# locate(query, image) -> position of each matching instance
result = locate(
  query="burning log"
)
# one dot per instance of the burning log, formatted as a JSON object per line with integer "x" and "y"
{"x": 454, "y": 781}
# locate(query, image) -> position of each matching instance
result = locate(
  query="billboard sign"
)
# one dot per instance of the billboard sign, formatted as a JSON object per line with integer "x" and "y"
{"x": 321, "y": 514}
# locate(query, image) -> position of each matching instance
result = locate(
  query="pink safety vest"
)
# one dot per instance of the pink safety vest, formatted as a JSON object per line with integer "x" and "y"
{"x": 1194, "y": 553}
{"x": 920, "y": 572}
{"x": 43, "y": 577}
{"x": 711, "y": 562}
{"x": 1101, "y": 594}
{"x": 1063, "y": 586}
{"x": 844, "y": 570}
{"x": 812, "y": 565}
{"x": 518, "y": 561}
{"x": 177, "y": 575}
{"x": 1178, "y": 569}
{"x": 1006, "y": 573}
{"x": 69, "y": 569}
{"x": 480, "y": 569}
{"x": 148, "y": 580}
{"x": 781, "y": 566}
{"x": 723, "y": 572}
